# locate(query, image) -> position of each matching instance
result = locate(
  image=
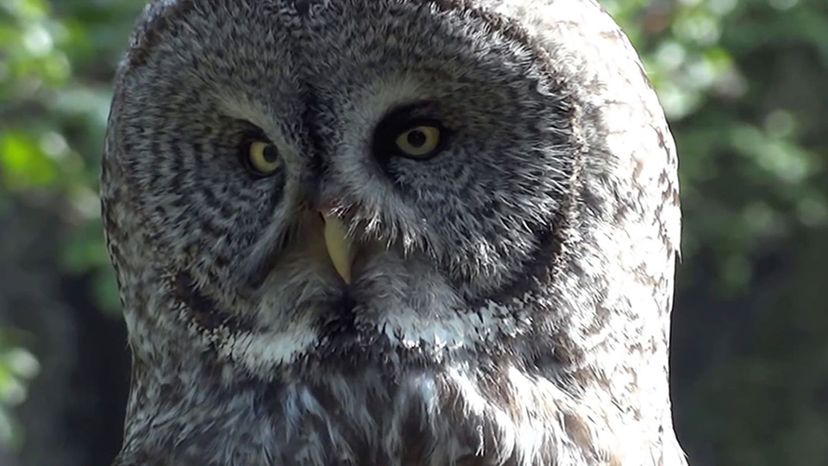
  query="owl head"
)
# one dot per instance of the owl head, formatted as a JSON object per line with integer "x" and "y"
{"x": 294, "y": 187}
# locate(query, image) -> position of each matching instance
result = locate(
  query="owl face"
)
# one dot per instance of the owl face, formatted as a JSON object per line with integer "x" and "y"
{"x": 341, "y": 225}
{"x": 383, "y": 172}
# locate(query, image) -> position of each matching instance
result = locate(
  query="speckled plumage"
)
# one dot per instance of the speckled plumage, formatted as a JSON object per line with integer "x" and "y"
{"x": 511, "y": 296}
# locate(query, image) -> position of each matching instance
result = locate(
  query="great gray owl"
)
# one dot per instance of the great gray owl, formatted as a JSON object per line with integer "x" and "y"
{"x": 391, "y": 232}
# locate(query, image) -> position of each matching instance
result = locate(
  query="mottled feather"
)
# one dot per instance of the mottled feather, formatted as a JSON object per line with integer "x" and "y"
{"x": 511, "y": 296}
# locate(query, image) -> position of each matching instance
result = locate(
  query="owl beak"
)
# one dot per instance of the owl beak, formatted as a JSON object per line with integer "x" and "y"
{"x": 340, "y": 249}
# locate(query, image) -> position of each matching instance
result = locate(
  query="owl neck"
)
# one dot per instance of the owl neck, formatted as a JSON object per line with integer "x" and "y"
{"x": 578, "y": 401}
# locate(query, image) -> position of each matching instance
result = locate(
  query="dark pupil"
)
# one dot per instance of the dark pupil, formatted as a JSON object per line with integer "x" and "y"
{"x": 416, "y": 138}
{"x": 270, "y": 154}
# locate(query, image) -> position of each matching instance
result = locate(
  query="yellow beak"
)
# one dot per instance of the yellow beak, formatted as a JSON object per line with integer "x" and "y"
{"x": 340, "y": 249}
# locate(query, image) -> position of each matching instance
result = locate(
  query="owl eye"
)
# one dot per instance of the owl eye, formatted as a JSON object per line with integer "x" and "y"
{"x": 263, "y": 158}
{"x": 411, "y": 132}
{"x": 420, "y": 141}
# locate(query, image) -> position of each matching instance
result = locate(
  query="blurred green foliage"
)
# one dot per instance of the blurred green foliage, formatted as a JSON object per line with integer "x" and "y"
{"x": 56, "y": 63}
{"x": 17, "y": 367}
{"x": 55, "y": 74}
{"x": 743, "y": 83}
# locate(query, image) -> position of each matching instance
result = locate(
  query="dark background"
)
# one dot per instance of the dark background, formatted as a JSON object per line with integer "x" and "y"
{"x": 744, "y": 84}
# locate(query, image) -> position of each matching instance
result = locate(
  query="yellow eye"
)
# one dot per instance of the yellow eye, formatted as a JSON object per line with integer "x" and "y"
{"x": 264, "y": 157}
{"x": 419, "y": 141}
